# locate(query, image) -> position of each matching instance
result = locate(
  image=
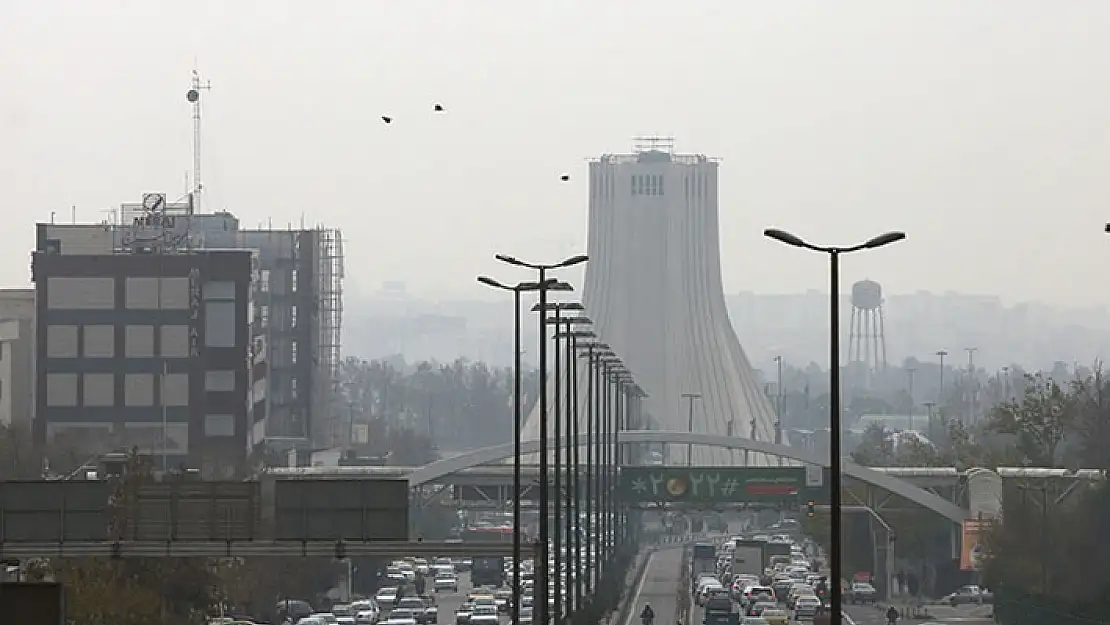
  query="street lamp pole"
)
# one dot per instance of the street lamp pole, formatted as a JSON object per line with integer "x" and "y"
{"x": 570, "y": 493}
{"x": 690, "y": 397}
{"x": 517, "y": 420}
{"x": 545, "y": 486}
{"x": 836, "y": 603}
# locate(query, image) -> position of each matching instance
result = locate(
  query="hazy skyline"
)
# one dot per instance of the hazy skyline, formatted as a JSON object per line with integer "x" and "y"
{"x": 978, "y": 128}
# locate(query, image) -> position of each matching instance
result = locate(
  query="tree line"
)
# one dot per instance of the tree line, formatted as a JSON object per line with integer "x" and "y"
{"x": 1046, "y": 558}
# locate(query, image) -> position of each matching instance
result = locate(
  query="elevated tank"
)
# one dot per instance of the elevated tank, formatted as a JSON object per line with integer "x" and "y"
{"x": 867, "y": 295}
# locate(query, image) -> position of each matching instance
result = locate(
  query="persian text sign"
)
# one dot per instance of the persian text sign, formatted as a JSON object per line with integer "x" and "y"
{"x": 711, "y": 484}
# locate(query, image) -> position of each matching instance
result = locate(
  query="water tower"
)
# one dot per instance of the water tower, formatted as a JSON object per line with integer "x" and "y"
{"x": 866, "y": 335}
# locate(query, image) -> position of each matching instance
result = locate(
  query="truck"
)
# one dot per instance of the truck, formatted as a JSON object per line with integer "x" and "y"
{"x": 703, "y": 559}
{"x": 488, "y": 571}
{"x": 749, "y": 558}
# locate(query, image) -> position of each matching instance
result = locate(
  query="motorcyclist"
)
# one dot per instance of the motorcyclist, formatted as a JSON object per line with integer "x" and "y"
{"x": 648, "y": 615}
{"x": 891, "y": 615}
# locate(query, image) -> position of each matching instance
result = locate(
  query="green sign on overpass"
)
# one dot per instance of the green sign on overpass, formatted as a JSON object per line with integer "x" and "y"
{"x": 721, "y": 485}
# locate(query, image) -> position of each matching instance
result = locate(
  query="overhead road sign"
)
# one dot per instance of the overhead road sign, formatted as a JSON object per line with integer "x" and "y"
{"x": 709, "y": 485}
{"x": 194, "y": 549}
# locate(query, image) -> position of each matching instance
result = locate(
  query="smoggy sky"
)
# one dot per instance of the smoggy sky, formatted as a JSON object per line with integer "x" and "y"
{"x": 980, "y": 128}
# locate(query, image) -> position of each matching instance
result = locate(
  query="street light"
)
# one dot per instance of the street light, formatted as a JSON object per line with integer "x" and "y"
{"x": 545, "y": 486}
{"x": 572, "y": 517}
{"x": 690, "y": 426}
{"x": 556, "y": 320}
{"x": 595, "y": 351}
{"x": 516, "y": 290}
{"x": 837, "y": 601}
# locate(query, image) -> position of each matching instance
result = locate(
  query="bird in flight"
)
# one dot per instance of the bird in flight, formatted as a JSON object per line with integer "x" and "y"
{"x": 438, "y": 108}
{"x": 564, "y": 177}
{"x": 387, "y": 119}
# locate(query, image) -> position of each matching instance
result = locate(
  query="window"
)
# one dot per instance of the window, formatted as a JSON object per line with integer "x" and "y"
{"x": 219, "y": 324}
{"x": 81, "y": 293}
{"x": 219, "y": 381}
{"x": 100, "y": 341}
{"x": 293, "y": 280}
{"x": 99, "y": 389}
{"x": 139, "y": 341}
{"x": 264, "y": 281}
{"x": 61, "y": 341}
{"x": 61, "y": 389}
{"x": 175, "y": 341}
{"x": 223, "y": 290}
{"x": 659, "y": 185}
{"x": 219, "y": 425}
{"x": 175, "y": 293}
{"x": 141, "y": 293}
{"x": 175, "y": 389}
{"x": 293, "y": 388}
{"x": 264, "y": 315}
{"x": 293, "y": 316}
{"x": 293, "y": 352}
{"x": 138, "y": 389}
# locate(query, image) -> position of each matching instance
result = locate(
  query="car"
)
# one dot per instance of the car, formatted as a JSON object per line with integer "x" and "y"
{"x": 775, "y": 617}
{"x": 485, "y": 615}
{"x": 965, "y": 595}
{"x": 401, "y": 616}
{"x": 862, "y": 592}
{"x": 423, "y": 610}
{"x": 386, "y": 597}
{"x": 503, "y": 599}
{"x": 526, "y": 616}
{"x": 462, "y": 615}
{"x": 445, "y": 582}
{"x": 806, "y": 606}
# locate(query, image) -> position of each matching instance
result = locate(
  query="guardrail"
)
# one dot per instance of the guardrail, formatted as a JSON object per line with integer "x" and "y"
{"x": 229, "y": 549}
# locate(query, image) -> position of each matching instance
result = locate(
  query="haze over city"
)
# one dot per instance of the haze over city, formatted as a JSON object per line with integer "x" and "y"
{"x": 974, "y": 127}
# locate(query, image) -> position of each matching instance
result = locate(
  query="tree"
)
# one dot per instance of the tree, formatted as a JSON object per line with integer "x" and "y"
{"x": 875, "y": 448}
{"x": 1092, "y": 423}
{"x": 1038, "y": 421}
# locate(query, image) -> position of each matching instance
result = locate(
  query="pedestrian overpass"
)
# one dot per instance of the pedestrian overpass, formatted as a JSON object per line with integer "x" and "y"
{"x": 437, "y": 470}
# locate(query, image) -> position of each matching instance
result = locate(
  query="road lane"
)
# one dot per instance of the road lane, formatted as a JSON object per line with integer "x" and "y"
{"x": 448, "y": 602}
{"x": 658, "y": 587}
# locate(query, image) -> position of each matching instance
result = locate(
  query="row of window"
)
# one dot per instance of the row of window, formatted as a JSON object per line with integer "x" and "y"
{"x": 647, "y": 184}
{"x": 99, "y": 389}
{"x": 99, "y": 341}
{"x": 149, "y": 437}
{"x": 140, "y": 293}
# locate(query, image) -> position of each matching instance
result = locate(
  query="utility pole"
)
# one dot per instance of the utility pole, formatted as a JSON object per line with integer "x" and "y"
{"x": 690, "y": 397}
{"x": 940, "y": 394}
{"x": 909, "y": 372}
{"x": 972, "y": 385}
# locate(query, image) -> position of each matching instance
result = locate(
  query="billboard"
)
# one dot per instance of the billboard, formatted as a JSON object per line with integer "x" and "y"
{"x": 711, "y": 484}
{"x": 197, "y": 511}
{"x": 973, "y": 549}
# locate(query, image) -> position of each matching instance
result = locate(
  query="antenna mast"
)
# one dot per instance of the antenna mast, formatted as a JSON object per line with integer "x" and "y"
{"x": 193, "y": 96}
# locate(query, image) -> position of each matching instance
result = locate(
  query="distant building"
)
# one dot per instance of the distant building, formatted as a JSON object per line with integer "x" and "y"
{"x": 145, "y": 346}
{"x": 17, "y": 356}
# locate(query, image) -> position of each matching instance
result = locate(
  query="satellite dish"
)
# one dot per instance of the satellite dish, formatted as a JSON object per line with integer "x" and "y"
{"x": 192, "y": 95}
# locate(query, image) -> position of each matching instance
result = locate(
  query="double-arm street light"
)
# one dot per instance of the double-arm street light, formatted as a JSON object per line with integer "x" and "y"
{"x": 836, "y": 603}
{"x": 595, "y": 351}
{"x": 545, "y": 486}
{"x": 572, "y": 563}
{"x": 548, "y": 285}
{"x": 558, "y": 562}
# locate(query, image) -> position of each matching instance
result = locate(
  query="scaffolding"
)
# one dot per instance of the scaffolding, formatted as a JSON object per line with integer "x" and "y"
{"x": 330, "y": 275}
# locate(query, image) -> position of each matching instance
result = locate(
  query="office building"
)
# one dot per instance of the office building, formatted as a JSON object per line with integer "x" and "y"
{"x": 149, "y": 344}
{"x": 17, "y": 356}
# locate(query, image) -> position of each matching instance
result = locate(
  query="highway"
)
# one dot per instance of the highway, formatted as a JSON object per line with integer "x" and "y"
{"x": 448, "y": 601}
{"x": 659, "y": 587}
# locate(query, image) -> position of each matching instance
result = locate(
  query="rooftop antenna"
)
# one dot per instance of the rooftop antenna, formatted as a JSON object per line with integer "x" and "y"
{"x": 193, "y": 96}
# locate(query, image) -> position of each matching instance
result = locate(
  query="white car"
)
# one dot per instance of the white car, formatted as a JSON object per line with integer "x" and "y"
{"x": 484, "y": 615}
{"x": 386, "y": 597}
{"x": 401, "y": 616}
{"x": 445, "y": 582}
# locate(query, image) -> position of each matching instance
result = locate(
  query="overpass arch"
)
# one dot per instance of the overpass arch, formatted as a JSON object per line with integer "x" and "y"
{"x": 496, "y": 453}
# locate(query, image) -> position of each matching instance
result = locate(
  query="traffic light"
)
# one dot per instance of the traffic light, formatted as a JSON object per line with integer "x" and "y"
{"x": 811, "y": 509}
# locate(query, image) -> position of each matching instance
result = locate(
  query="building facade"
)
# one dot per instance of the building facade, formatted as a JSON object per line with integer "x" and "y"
{"x": 17, "y": 356}
{"x": 154, "y": 351}
{"x": 299, "y": 308}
